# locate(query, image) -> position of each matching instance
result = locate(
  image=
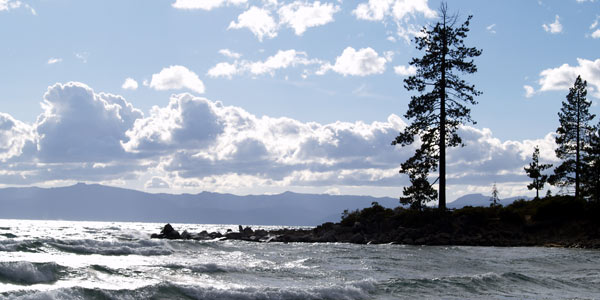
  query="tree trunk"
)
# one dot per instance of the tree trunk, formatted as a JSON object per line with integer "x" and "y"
{"x": 442, "y": 178}
{"x": 578, "y": 128}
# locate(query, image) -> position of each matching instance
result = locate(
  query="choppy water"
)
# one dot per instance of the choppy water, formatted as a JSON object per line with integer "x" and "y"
{"x": 94, "y": 260}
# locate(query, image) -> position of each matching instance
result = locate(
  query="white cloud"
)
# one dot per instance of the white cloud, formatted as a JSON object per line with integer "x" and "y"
{"x": 78, "y": 125}
{"x": 194, "y": 143}
{"x": 374, "y": 10}
{"x": 283, "y": 59}
{"x": 555, "y": 27}
{"x": 176, "y": 78}
{"x": 205, "y": 4}
{"x": 302, "y": 15}
{"x": 187, "y": 122}
{"x": 563, "y": 77}
{"x": 363, "y": 62}
{"x": 14, "y": 135}
{"x": 491, "y": 28}
{"x": 6, "y": 5}
{"x": 389, "y": 55}
{"x": 229, "y": 53}
{"x": 258, "y": 20}
{"x": 529, "y": 91}
{"x": 595, "y": 34}
{"x": 400, "y": 12}
{"x": 223, "y": 69}
{"x": 405, "y": 70}
{"x": 54, "y": 60}
{"x": 129, "y": 84}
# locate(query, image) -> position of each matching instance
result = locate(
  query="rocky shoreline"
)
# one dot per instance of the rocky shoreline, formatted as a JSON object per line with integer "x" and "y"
{"x": 559, "y": 221}
{"x": 358, "y": 234}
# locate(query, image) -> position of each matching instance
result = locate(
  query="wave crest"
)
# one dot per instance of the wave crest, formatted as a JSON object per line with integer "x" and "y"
{"x": 23, "y": 272}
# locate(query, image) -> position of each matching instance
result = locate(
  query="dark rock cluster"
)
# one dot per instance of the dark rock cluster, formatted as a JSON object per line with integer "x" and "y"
{"x": 460, "y": 233}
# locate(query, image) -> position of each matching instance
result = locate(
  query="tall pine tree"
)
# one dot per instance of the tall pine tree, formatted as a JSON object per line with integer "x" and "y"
{"x": 591, "y": 173}
{"x": 441, "y": 105}
{"x": 573, "y": 137}
{"x": 534, "y": 171}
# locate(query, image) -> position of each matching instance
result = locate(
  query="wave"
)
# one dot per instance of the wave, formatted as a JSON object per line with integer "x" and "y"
{"x": 89, "y": 246}
{"x": 477, "y": 284}
{"x": 23, "y": 272}
{"x": 208, "y": 268}
{"x": 10, "y": 245}
{"x": 351, "y": 291}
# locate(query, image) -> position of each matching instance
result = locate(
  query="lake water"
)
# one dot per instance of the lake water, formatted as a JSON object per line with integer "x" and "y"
{"x": 99, "y": 260}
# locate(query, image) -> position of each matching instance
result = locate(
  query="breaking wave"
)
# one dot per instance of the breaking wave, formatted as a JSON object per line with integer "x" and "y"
{"x": 26, "y": 273}
{"x": 351, "y": 291}
{"x": 88, "y": 246}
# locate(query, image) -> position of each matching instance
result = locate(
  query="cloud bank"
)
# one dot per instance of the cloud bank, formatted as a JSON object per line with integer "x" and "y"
{"x": 193, "y": 144}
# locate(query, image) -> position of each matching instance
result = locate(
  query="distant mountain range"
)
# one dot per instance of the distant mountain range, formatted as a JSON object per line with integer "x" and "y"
{"x": 481, "y": 200}
{"x": 95, "y": 202}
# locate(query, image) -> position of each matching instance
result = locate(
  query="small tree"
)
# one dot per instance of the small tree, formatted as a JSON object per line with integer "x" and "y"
{"x": 494, "y": 199}
{"x": 534, "y": 171}
{"x": 572, "y": 136}
{"x": 437, "y": 113}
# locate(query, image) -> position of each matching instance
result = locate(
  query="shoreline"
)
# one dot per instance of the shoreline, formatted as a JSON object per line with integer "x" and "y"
{"x": 335, "y": 233}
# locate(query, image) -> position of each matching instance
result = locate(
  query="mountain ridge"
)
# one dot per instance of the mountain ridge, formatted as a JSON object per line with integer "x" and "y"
{"x": 96, "y": 202}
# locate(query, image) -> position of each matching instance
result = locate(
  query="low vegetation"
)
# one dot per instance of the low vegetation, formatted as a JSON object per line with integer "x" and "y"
{"x": 553, "y": 220}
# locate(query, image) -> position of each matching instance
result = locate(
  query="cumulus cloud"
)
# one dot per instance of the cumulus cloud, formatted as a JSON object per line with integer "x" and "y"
{"x": 266, "y": 21}
{"x": 363, "y": 62}
{"x": 555, "y": 27}
{"x": 405, "y": 70}
{"x": 54, "y": 60}
{"x": 258, "y": 20}
{"x": 205, "y": 4}
{"x": 563, "y": 77}
{"x": 129, "y": 84}
{"x": 195, "y": 143}
{"x": 186, "y": 122}
{"x": 400, "y": 12}
{"x": 176, "y": 78}
{"x": 302, "y": 15}
{"x": 529, "y": 91}
{"x": 14, "y": 135}
{"x": 79, "y": 125}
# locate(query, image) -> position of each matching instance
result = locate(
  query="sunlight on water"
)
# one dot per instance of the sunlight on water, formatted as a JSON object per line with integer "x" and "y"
{"x": 100, "y": 260}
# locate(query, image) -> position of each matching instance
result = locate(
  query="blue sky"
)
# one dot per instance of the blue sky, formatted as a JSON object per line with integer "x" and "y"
{"x": 267, "y": 96}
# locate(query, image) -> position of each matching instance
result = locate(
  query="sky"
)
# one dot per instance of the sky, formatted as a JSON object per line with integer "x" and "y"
{"x": 267, "y": 96}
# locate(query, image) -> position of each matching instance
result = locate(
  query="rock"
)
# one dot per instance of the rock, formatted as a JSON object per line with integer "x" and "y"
{"x": 186, "y": 235}
{"x": 247, "y": 231}
{"x": 169, "y": 233}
